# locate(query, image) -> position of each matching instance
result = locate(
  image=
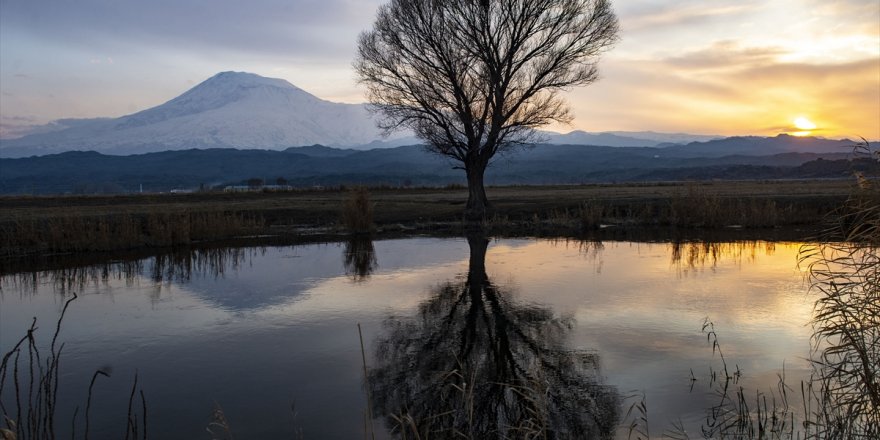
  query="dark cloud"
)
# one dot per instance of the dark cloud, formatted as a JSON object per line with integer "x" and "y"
{"x": 300, "y": 27}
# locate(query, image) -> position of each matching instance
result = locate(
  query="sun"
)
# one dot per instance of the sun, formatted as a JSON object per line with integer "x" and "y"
{"x": 804, "y": 124}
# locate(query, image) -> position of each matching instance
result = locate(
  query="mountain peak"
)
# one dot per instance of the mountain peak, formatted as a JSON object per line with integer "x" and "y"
{"x": 220, "y": 90}
{"x": 229, "y": 109}
{"x": 246, "y": 79}
{"x": 231, "y": 86}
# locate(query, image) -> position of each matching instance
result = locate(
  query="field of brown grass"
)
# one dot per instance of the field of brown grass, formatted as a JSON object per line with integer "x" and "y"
{"x": 33, "y": 225}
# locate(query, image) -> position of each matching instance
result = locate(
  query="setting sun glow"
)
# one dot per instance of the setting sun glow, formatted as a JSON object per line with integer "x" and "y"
{"x": 802, "y": 123}
{"x": 804, "y": 126}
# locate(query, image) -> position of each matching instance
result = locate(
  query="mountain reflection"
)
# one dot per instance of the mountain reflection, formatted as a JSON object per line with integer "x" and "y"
{"x": 474, "y": 363}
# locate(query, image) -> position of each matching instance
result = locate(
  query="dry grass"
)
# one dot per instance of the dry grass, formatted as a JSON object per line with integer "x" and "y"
{"x": 357, "y": 212}
{"x": 41, "y": 225}
{"x": 85, "y": 233}
{"x": 845, "y": 273}
{"x": 841, "y": 400}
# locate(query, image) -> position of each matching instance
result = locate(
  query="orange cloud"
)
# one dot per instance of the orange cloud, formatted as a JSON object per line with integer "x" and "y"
{"x": 727, "y": 89}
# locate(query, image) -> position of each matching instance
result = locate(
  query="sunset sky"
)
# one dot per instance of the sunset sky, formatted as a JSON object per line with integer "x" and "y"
{"x": 705, "y": 67}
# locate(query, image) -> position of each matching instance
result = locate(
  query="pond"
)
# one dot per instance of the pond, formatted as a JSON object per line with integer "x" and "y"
{"x": 267, "y": 340}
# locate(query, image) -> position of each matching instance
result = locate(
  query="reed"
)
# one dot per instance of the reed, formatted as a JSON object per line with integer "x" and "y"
{"x": 738, "y": 414}
{"x": 844, "y": 270}
{"x": 47, "y": 225}
{"x": 35, "y": 400}
{"x": 697, "y": 208}
{"x": 357, "y": 212}
{"x": 218, "y": 427}
{"x": 692, "y": 208}
{"x": 591, "y": 214}
{"x": 841, "y": 399}
{"x": 459, "y": 420}
{"x": 85, "y": 233}
{"x": 29, "y": 391}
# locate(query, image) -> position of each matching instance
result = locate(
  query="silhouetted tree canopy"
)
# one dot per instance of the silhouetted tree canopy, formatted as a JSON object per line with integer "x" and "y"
{"x": 476, "y": 363}
{"x": 474, "y": 78}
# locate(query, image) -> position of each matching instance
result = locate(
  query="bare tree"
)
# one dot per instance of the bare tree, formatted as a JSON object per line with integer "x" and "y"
{"x": 473, "y": 78}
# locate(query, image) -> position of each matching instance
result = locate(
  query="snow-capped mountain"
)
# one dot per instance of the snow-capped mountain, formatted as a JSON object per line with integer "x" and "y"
{"x": 230, "y": 109}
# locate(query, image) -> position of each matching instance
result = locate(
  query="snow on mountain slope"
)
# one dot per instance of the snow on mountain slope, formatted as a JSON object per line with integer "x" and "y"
{"x": 230, "y": 109}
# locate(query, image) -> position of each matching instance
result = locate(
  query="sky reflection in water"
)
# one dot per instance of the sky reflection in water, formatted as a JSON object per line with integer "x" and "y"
{"x": 258, "y": 328}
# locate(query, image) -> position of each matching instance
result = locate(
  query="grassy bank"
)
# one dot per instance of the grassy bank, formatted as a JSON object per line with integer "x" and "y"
{"x": 45, "y": 225}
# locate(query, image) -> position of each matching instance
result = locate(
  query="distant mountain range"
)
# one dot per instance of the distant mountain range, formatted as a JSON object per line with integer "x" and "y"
{"x": 624, "y": 138}
{"x": 239, "y": 126}
{"x": 91, "y": 172}
{"x": 248, "y": 111}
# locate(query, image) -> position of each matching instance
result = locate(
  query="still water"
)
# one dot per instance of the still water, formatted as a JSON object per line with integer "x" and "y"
{"x": 270, "y": 334}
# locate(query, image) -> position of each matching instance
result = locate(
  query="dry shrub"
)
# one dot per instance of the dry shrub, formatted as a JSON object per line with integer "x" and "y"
{"x": 591, "y": 215}
{"x": 357, "y": 212}
{"x": 696, "y": 208}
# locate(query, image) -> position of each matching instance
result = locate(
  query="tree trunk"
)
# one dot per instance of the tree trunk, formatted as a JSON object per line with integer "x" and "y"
{"x": 477, "y": 204}
{"x": 478, "y": 244}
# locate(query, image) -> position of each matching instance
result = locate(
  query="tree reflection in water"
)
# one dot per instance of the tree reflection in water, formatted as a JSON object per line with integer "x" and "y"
{"x": 359, "y": 257}
{"x": 473, "y": 363}
{"x": 687, "y": 256}
{"x": 179, "y": 266}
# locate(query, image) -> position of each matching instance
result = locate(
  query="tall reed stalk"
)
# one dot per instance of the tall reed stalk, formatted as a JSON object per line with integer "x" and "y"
{"x": 29, "y": 391}
{"x": 35, "y": 386}
{"x": 844, "y": 271}
{"x": 841, "y": 400}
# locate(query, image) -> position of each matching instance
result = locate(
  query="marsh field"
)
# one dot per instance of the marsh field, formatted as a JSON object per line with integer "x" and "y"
{"x": 63, "y": 224}
{"x": 704, "y": 310}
